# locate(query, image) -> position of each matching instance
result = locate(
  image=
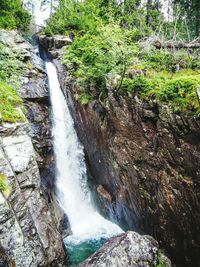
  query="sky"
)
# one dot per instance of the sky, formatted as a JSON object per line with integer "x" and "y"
{"x": 166, "y": 8}
{"x": 42, "y": 12}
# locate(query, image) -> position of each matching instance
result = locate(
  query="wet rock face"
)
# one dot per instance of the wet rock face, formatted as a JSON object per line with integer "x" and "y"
{"x": 128, "y": 249}
{"x": 144, "y": 163}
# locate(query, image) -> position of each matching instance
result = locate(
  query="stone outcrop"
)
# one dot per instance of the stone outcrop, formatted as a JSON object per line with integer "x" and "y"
{"x": 29, "y": 222}
{"x": 54, "y": 42}
{"x": 128, "y": 249}
{"x": 144, "y": 165}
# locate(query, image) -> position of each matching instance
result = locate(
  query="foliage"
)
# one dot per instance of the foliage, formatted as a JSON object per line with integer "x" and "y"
{"x": 85, "y": 99}
{"x": 176, "y": 90}
{"x": 11, "y": 104}
{"x": 187, "y": 11}
{"x": 166, "y": 59}
{"x": 13, "y": 15}
{"x": 4, "y": 187}
{"x": 11, "y": 69}
{"x": 74, "y": 16}
{"x": 11, "y": 65}
{"x": 106, "y": 35}
{"x": 81, "y": 16}
{"x": 78, "y": 17}
{"x": 94, "y": 55}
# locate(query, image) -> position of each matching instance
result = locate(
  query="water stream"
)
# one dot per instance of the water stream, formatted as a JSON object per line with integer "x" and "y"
{"x": 89, "y": 228}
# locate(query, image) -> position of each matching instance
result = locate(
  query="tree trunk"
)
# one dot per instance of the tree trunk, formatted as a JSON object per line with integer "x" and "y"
{"x": 149, "y": 7}
{"x": 197, "y": 17}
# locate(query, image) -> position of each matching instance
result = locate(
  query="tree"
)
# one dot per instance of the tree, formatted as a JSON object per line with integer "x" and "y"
{"x": 188, "y": 10}
{"x": 13, "y": 15}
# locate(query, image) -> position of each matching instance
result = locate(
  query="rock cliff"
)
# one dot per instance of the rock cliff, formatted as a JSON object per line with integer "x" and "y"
{"x": 144, "y": 165}
{"x": 29, "y": 234}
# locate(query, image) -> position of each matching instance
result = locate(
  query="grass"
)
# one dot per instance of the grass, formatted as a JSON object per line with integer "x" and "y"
{"x": 11, "y": 105}
{"x": 177, "y": 90}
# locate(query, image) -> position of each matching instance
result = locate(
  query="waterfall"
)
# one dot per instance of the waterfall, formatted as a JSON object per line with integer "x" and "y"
{"x": 40, "y": 10}
{"x": 71, "y": 177}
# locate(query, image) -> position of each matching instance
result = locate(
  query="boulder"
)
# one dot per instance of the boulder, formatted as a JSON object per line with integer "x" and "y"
{"x": 128, "y": 249}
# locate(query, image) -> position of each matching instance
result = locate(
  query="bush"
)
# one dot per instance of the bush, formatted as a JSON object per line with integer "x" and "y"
{"x": 138, "y": 84}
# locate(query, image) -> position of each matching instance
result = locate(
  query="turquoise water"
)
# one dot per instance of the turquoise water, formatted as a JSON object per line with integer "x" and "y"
{"x": 79, "y": 251}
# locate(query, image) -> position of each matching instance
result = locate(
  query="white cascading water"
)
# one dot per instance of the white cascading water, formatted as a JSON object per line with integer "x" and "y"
{"x": 73, "y": 194}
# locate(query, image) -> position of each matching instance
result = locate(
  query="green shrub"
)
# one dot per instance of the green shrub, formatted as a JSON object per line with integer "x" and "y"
{"x": 138, "y": 84}
{"x": 48, "y": 32}
{"x": 165, "y": 59}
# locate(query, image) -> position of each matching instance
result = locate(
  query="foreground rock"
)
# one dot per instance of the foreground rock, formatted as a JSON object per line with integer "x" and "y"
{"x": 29, "y": 225}
{"x": 129, "y": 249}
{"x": 28, "y": 231}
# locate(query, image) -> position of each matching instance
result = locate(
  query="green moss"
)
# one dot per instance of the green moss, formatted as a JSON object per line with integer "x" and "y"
{"x": 161, "y": 262}
{"x": 10, "y": 104}
{"x": 4, "y": 186}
